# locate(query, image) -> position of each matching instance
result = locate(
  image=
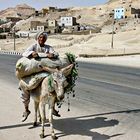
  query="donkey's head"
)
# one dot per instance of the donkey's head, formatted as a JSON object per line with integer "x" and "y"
{"x": 59, "y": 80}
{"x": 58, "y": 84}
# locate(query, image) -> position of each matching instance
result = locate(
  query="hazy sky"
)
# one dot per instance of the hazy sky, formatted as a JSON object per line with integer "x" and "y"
{"x": 39, "y": 4}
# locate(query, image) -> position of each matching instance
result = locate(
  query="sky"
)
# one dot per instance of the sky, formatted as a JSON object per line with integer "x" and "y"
{"x": 39, "y": 4}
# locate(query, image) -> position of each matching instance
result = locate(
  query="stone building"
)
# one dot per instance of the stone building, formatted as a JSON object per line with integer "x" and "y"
{"x": 38, "y": 26}
{"x": 52, "y": 23}
{"x": 13, "y": 19}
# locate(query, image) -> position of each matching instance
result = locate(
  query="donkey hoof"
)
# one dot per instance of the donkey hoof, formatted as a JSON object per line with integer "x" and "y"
{"x": 40, "y": 120}
{"x": 35, "y": 124}
{"x": 54, "y": 138}
{"x": 42, "y": 136}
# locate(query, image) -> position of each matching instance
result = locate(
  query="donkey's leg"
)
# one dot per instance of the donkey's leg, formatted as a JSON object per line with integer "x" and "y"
{"x": 51, "y": 123}
{"x": 42, "y": 110}
{"x": 39, "y": 116}
{"x": 36, "y": 106}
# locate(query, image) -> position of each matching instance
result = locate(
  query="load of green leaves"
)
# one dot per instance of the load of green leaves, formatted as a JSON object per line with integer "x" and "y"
{"x": 71, "y": 79}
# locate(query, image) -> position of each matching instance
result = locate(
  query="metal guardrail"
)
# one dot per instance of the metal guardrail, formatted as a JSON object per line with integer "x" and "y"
{"x": 11, "y": 52}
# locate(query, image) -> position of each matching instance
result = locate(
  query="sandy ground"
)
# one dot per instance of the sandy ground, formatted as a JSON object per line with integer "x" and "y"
{"x": 93, "y": 44}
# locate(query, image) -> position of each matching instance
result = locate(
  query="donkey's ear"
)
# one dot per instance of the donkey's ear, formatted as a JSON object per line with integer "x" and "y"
{"x": 67, "y": 70}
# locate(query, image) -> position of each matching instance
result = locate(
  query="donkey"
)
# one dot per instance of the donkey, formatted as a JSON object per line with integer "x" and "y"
{"x": 43, "y": 95}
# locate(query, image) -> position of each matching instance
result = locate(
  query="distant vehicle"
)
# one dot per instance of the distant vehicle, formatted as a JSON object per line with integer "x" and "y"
{"x": 23, "y": 34}
{"x": 82, "y": 28}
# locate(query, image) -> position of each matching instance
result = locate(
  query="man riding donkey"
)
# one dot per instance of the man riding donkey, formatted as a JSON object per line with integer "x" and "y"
{"x": 40, "y": 49}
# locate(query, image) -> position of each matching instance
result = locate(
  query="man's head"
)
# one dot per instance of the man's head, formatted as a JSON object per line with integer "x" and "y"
{"x": 41, "y": 37}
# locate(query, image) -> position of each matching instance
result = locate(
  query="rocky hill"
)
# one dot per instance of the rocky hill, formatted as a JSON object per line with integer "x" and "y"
{"x": 8, "y": 13}
{"x": 22, "y": 10}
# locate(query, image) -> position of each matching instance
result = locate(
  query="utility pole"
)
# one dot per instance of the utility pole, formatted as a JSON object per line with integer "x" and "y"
{"x": 112, "y": 41}
{"x": 14, "y": 39}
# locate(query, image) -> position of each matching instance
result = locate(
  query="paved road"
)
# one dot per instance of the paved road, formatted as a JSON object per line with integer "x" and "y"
{"x": 106, "y": 106}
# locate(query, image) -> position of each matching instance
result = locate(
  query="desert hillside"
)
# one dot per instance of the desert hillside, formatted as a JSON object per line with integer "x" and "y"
{"x": 97, "y": 16}
{"x": 120, "y": 3}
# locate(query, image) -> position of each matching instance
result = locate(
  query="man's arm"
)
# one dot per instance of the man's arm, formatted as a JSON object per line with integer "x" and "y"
{"x": 29, "y": 52}
{"x": 51, "y": 53}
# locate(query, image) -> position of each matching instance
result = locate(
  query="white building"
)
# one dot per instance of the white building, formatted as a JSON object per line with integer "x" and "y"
{"x": 40, "y": 28}
{"x": 119, "y": 13}
{"x": 67, "y": 21}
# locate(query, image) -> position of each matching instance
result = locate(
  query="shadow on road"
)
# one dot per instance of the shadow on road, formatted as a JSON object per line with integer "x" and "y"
{"x": 82, "y": 125}
{"x": 16, "y": 125}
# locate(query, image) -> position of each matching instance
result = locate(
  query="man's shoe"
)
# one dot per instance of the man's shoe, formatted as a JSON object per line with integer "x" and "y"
{"x": 55, "y": 113}
{"x": 25, "y": 115}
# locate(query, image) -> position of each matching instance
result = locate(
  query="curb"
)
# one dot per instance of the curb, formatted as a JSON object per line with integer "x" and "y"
{"x": 10, "y": 53}
{"x": 102, "y": 55}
